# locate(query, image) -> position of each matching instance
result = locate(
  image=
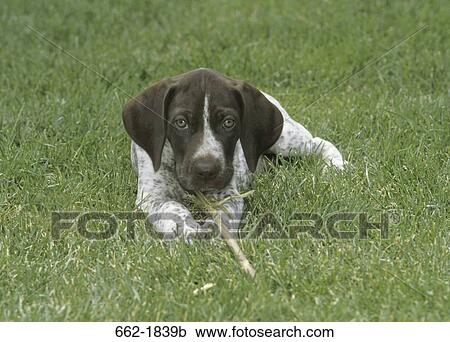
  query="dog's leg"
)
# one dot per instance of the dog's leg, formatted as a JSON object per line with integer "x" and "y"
{"x": 230, "y": 217}
{"x": 159, "y": 195}
{"x": 296, "y": 138}
{"x": 232, "y": 213}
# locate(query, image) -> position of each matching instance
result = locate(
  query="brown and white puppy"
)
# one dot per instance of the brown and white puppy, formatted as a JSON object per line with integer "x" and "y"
{"x": 202, "y": 131}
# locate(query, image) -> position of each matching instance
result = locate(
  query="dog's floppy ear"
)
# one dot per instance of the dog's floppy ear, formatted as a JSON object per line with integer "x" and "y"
{"x": 261, "y": 124}
{"x": 144, "y": 118}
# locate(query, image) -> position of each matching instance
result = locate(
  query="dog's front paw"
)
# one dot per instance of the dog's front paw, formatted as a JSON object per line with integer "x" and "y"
{"x": 172, "y": 226}
{"x": 168, "y": 228}
{"x": 336, "y": 164}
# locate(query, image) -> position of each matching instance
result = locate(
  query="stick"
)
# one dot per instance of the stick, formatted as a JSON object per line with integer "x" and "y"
{"x": 225, "y": 231}
{"x": 234, "y": 246}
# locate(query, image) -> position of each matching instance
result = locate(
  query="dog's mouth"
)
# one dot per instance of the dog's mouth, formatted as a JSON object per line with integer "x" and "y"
{"x": 205, "y": 187}
{"x": 193, "y": 184}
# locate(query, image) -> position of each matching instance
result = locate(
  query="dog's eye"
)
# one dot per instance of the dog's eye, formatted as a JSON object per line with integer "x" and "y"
{"x": 228, "y": 123}
{"x": 181, "y": 123}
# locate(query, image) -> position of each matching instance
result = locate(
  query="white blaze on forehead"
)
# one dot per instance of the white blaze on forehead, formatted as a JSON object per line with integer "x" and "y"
{"x": 209, "y": 144}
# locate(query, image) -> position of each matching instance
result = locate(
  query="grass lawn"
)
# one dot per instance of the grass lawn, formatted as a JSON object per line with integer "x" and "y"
{"x": 63, "y": 148}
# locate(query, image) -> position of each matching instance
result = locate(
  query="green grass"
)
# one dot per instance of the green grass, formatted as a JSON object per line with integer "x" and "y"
{"x": 63, "y": 147}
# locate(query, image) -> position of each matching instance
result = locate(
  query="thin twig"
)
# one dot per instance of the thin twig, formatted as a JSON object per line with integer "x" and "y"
{"x": 234, "y": 246}
{"x": 216, "y": 209}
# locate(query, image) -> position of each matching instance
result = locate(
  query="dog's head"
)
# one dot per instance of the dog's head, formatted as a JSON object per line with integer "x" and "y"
{"x": 203, "y": 114}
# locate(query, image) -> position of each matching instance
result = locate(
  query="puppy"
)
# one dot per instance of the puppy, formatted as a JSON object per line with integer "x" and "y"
{"x": 205, "y": 132}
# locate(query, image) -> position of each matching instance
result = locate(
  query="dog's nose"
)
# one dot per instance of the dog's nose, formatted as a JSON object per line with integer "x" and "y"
{"x": 206, "y": 168}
